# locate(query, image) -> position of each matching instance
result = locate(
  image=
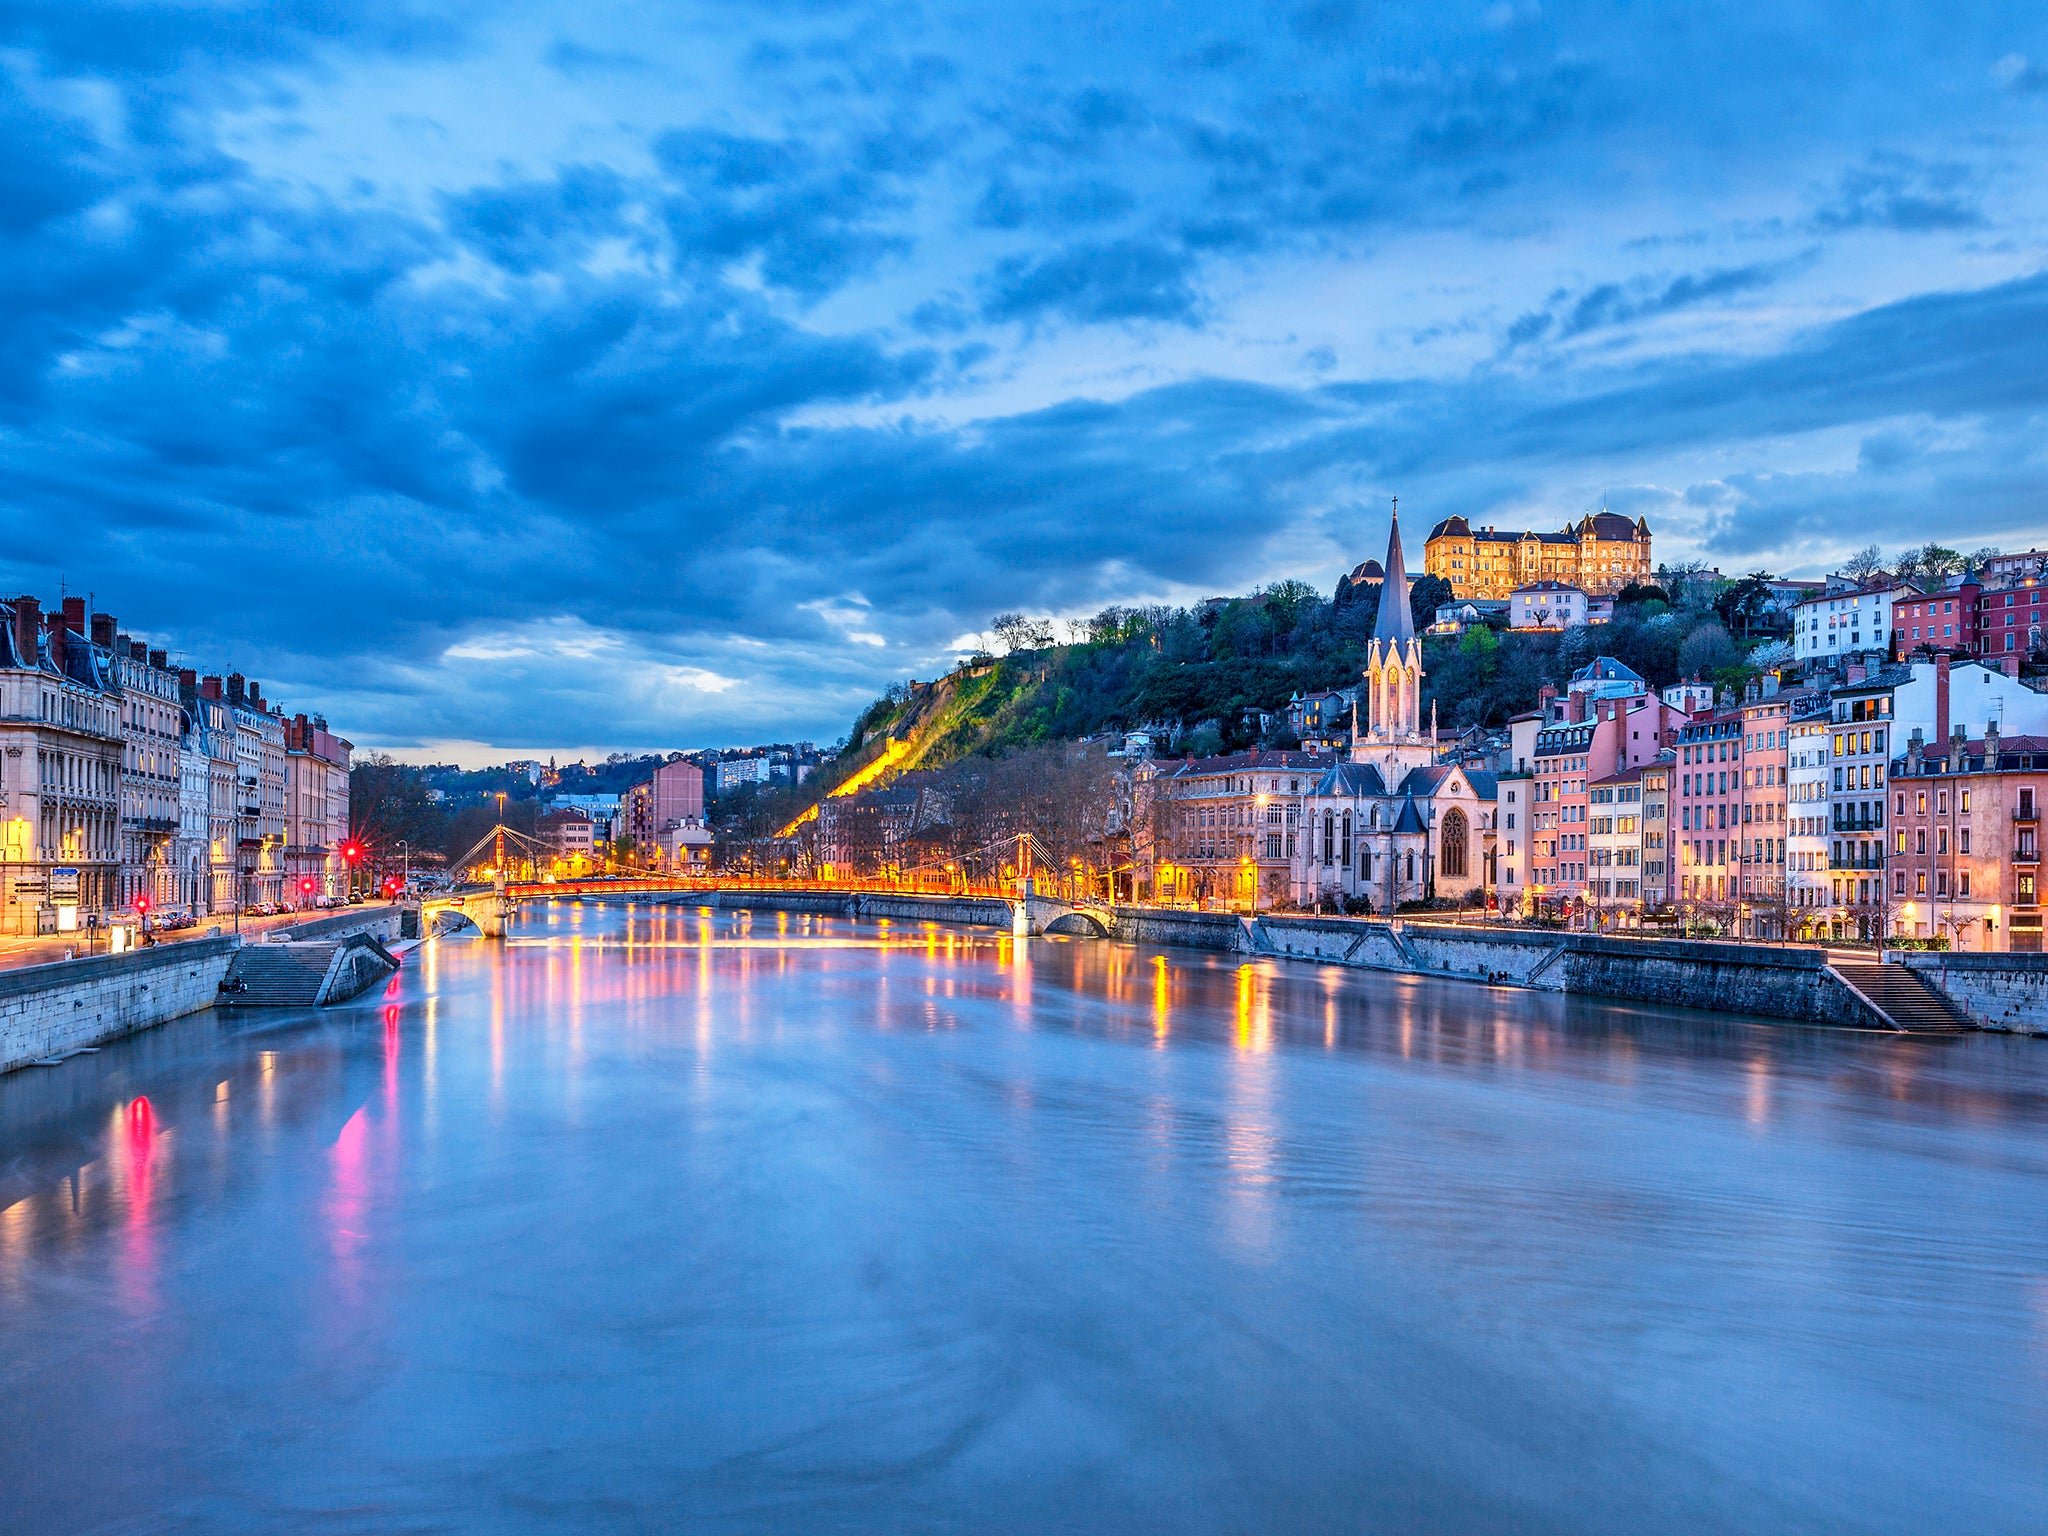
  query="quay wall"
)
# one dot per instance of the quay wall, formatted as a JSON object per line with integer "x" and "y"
{"x": 1760, "y": 980}
{"x": 2003, "y": 992}
{"x": 377, "y": 922}
{"x": 46, "y": 1010}
{"x": 1188, "y": 930}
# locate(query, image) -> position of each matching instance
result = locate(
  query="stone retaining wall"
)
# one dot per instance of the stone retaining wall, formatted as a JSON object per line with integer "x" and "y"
{"x": 378, "y": 922}
{"x": 46, "y": 1010}
{"x": 2005, "y": 992}
{"x": 1189, "y": 930}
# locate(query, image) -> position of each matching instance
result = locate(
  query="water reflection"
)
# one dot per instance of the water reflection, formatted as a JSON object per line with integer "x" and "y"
{"x": 684, "y": 1217}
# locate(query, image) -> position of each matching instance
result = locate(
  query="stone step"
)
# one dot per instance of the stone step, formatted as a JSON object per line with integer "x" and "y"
{"x": 1904, "y": 996}
{"x": 276, "y": 975}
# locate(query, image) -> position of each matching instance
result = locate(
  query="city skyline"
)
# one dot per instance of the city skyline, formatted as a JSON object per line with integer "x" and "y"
{"x": 508, "y": 375}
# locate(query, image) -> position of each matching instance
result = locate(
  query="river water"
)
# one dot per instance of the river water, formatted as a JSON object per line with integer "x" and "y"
{"x": 669, "y": 1219}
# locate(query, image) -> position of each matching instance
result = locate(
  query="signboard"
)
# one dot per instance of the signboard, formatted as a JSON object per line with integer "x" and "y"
{"x": 64, "y": 885}
{"x": 30, "y": 884}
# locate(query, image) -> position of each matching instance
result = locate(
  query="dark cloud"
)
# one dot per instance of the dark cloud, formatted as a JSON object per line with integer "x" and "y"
{"x": 1898, "y": 192}
{"x": 1088, "y": 284}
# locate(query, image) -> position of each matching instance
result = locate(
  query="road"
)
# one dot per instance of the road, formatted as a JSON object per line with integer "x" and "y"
{"x": 16, "y": 952}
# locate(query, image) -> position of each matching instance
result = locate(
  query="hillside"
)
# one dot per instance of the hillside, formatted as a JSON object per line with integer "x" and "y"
{"x": 1191, "y": 675}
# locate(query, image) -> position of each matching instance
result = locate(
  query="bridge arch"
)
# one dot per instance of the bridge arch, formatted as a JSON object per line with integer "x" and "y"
{"x": 1081, "y": 923}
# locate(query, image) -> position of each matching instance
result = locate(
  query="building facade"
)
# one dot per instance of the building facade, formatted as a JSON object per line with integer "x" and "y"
{"x": 1546, "y": 605}
{"x": 1845, "y": 621}
{"x": 1228, "y": 827}
{"x": 1808, "y": 764}
{"x": 151, "y": 732}
{"x": 1600, "y": 554}
{"x": 1965, "y": 858}
{"x": 61, "y": 746}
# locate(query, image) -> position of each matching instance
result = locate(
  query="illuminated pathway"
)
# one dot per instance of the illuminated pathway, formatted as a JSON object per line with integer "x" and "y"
{"x": 682, "y": 1220}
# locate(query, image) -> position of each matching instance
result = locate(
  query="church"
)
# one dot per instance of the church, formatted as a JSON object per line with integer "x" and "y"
{"x": 1390, "y": 825}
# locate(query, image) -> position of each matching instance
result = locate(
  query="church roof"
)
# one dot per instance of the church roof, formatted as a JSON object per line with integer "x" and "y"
{"x": 1409, "y": 819}
{"x": 1367, "y": 570}
{"x": 1395, "y": 624}
{"x": 1355, "y": 780}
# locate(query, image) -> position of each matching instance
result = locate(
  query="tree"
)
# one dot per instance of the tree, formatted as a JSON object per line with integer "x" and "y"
{"x": 1636, "y": 593}
{"x": 1018, "y": 633}
{"x": 1864, "y": 565}
{"x": 1746, "y": 603}
{"x": 1425, "y": 595}
{"x": 1706, "y": 651}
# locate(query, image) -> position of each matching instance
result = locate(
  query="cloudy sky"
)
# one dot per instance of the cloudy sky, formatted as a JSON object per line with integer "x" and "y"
{"x": 565, "y": 376}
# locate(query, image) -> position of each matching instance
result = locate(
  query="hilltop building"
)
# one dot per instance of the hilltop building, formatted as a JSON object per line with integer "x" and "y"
{"x": 1599, "y": 555}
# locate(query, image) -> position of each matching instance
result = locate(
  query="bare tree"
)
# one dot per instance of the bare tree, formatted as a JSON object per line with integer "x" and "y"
{"x": 1864, "y": 565}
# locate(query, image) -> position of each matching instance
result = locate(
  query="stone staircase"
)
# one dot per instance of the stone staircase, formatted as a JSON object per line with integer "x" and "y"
{"x": 1900, "y": 997}
{"x": 277, "y": 975}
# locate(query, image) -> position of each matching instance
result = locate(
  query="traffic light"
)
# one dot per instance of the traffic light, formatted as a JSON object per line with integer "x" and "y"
{"x": 306, "y": 886}
{"x": 351, "y": 850}
{"x": 142, "y": 904}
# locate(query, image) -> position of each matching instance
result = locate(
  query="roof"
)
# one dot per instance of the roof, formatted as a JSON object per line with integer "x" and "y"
{"x": 1627, "y": 775}
{"x": 1612, "y": 525}
{"x": 1395, "y": 624}
{"x": 1231, "y": 762}
{"x": 1547, "y": 586}
{"x": 1409, "y": 819}
{"x": 1358, "y": 780}
{"x": 1367, "y": 570}
{"x": 1603, "y": 669}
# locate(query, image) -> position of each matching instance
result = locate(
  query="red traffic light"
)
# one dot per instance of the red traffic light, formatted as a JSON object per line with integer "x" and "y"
{"x": 351, "y": 851}
{"x": 306, "y": 886}
{"x": 142, "y": 904}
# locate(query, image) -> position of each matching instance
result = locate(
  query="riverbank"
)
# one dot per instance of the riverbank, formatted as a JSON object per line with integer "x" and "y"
{"x": 1790, "y": 984}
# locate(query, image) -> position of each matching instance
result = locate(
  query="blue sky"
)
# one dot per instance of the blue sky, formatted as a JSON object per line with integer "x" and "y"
{"x": 522, "y": 376}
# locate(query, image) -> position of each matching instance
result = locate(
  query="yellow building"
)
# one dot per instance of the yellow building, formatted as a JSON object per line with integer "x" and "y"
{"x": 1600, "y": 554}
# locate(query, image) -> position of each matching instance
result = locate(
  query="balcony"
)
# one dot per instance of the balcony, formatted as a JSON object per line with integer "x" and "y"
{"x": 1843, "y": 823}
{"x": 2026, "y": 813}
{"x": 1853, "y": 862}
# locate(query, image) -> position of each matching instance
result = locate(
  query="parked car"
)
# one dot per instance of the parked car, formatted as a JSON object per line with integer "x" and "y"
{"x": 355, "y": 898}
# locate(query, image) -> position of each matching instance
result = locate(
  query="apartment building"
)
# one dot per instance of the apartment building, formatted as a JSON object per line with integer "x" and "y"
{"x": 1809, "y": 760}
{"x": 1964, "y": 862}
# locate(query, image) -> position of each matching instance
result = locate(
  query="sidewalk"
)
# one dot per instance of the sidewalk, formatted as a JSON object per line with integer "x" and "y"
{"x": 16, "y": 952}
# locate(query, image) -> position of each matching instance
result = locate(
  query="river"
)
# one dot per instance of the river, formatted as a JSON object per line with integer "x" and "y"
{"x": 672, "y": 1219}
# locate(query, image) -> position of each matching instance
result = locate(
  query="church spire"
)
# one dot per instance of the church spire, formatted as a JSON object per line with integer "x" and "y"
{"x": 1396, "y": 624}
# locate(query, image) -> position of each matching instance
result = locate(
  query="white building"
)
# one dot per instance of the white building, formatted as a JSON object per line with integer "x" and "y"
{"x": 1808, "y": 757}
{"x": 151, "y": 724}
{"x": 1977, "y": 696}
{"x": 1843, "y": 621}
{"x": 1546, "y": 605}
{"x": 1690, "y": 697}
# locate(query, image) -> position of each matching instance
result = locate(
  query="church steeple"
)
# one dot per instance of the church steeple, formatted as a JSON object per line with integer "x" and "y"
{"x": 1396, "y": 624}
{"x": 1394, "y": 739}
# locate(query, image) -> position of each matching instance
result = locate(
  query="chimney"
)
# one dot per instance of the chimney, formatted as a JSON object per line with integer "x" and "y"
{"x": 209, "y": 688}
{"x": 2010, "y": 666}
{"x": 1546, "y": 696}
{"x": 1575, "y": 707}
{"x": 28, "y": 621}
{"x": 1915, "y": 746}
{"x": 103, "y": 630}
{"x": 74, "y": 614}
{"x": 1941, "y": 700}
{"x": 238, "y": 688}
{"x": 135, "y": 650}
{"x": 161, "y": 661}
{"x": 1991, "y": 745}
{"x": 255, "y": 695}
{"x": 188, "y": 682}
{"x": 1854, "y": 672}
{"x": 55, "y": 624}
